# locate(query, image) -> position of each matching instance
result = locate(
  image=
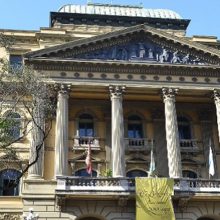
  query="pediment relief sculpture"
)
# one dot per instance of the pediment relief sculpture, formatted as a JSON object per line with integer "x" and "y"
{"x": 141, "y": 51}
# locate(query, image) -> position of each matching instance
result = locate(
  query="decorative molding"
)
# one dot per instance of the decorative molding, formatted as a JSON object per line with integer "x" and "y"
{"x": 12, "y": 164}
{"x": 10, "y": 217}
{"x": 169, "y": 93}
{"x": 216, "y": 96}
{"x": 126, "y": 67}
{"x": 62, "y": 88}
{"x": 116, "y": 91}
{"x": 140, "y": 49}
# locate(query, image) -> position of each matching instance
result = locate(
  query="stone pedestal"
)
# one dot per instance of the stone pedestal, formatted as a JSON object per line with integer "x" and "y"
{"x": 172, "y": 135}
{"x": 118, "y": 146}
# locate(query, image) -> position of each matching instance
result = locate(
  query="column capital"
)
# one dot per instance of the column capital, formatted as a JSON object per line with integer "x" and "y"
{"x": 116, "y": 91}
{"x": 216, "y": 96}
{"x": 169, "y": 93}
{"x": 62, "y": 88}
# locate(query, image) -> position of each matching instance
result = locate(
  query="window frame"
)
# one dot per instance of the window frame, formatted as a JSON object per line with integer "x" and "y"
{"x": 14, "y": 127}
{"x": 15, "y": 61}
{"x": 185, "y": 123}
{"x": 78, "y": 121}
{"x": 139, "y": 122}
{"x": 16, "y": 190}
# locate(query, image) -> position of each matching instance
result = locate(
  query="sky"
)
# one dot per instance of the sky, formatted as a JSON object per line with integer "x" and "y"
{"x": 31, "y": 15}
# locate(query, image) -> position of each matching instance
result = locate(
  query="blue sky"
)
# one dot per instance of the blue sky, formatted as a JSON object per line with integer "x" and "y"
{"x": 31, "y": 15}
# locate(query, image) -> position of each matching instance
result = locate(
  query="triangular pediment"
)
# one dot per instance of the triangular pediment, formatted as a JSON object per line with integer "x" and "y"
{"x": 135, "y": 44}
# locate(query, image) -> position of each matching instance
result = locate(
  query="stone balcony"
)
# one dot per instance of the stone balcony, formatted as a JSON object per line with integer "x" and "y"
{"x": 99, "y": 187}
{"x": 138, "y": 144}
{"x": 82, "y": 143}
{"x": 190, "y": 146}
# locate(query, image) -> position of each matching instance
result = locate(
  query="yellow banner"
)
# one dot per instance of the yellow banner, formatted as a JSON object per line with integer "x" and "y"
{"x": 153, "y": 199}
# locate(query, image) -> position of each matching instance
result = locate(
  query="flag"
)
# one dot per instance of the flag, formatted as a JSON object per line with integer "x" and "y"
{"x": 211, "y": 162}
{"x": 152, "y": 163}
{"x": 88, "y": 160}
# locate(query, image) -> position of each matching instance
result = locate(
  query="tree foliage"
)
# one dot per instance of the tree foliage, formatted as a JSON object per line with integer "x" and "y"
{"x": 23, "y": 91}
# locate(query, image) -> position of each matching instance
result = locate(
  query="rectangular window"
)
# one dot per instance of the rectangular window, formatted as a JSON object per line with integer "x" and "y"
{"x": 15, "y": 61}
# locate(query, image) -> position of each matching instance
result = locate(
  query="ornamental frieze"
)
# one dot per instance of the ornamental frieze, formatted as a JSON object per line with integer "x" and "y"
{"x": 141, "y": 51}
{"x": 10, "y": 217}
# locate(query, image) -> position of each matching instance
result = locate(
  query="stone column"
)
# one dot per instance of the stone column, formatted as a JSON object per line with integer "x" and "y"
{"x": 61, "y": 135}
{"x": 36, "y": 160}
{"x": 217, "y": 105}
{"x": 172, "y": 135}
{"x": 118, "y": 147}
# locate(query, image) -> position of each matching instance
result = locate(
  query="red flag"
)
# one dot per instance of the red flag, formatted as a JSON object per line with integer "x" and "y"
{"x": 88, "y": 160}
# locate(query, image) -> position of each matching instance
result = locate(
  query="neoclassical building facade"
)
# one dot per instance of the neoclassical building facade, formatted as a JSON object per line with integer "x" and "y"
{"x": 128, "y": 80}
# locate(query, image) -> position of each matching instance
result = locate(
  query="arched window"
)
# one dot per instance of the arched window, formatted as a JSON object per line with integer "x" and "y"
{"x": 135, "y": 127}
{"x": 8, "y": 184}
{"x": 136, "y": 173}
{"x": 12, "y": 122}
{"x": 86, "y": 125}
{"x": 189, "y": 174}
{"x": 184, "y": 128}
{"x": 83, "y": 173}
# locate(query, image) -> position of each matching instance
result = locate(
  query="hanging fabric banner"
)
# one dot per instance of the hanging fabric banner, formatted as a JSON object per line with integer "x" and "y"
{"x": 153, "y": 199}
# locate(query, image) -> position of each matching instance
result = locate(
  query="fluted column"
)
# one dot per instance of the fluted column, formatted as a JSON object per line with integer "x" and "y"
{"x": 172, "y": 136}
{"x": 61, "y": 138}
{"x": 217, "y": 105}
{"x": 118, "y": 147}
{"x": 36, "y": 160}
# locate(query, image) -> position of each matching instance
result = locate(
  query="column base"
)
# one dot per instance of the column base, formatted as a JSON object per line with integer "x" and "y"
{"x": 35, "y": 177}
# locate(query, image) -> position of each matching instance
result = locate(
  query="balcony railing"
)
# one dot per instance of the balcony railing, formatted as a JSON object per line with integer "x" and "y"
{"x": 197, "y": 185}
{"x": 140, "y": 144}
{"x": 82, "y": 143}
{"x": 190, "y": 145}
{"x": 85, "y": 185}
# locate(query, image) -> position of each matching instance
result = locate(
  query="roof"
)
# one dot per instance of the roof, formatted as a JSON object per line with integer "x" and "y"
{"x": 82, "y": 43}
{"x": 120, "y": 10}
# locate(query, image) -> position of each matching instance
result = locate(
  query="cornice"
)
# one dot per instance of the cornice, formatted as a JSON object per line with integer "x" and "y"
{"x": 125, "y": 67}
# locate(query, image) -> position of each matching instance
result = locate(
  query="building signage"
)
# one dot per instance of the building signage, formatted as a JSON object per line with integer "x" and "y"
{"x": 153, "y": 199}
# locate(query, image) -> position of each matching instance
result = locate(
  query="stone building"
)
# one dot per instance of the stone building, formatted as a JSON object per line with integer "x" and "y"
{"x": 129, "y": 80}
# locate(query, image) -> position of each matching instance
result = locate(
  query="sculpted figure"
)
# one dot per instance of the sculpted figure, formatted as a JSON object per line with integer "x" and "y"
{"x": 175, "y": 58}
{"x": 141, "y": 50}
{"x": 150, "y": 54}
{"x": 124, "y": 54}
{"x": 185, "y": 59}
{"x": 164, "y": 56}
{"x": 114, "y": 53}
{"x": 133, "y": 52}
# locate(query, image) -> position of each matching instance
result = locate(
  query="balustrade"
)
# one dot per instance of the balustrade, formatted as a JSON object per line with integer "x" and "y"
{"x": 141, "y": 144}
{"x": 190, "y": 145}
{"x": 82, "y": 143}
{"x": 106, "y": 184}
